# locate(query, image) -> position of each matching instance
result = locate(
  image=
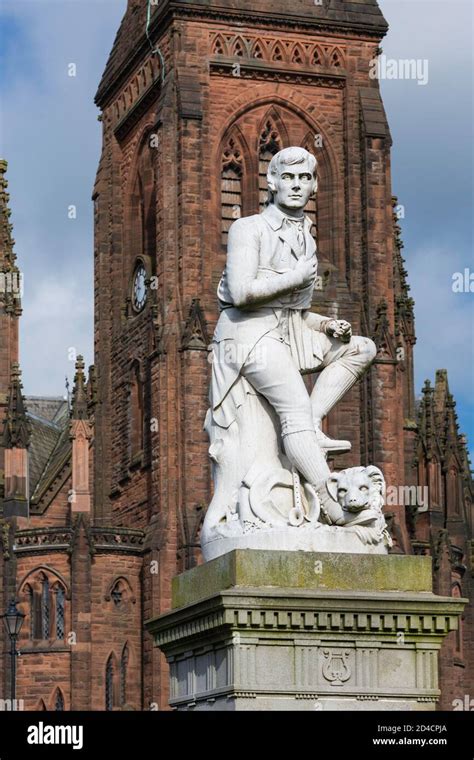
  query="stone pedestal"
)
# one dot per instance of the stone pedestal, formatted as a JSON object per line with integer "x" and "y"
{"x": 271, "y": 630}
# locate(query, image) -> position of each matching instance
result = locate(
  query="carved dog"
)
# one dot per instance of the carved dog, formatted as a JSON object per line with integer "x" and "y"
{"x": 357, "y": 488}
{"x": 360, "y": 492}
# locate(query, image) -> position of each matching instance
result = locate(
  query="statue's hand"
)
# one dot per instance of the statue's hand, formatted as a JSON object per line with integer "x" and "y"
{"x": 339, "y": 328}
{"x": 305, "y": 271}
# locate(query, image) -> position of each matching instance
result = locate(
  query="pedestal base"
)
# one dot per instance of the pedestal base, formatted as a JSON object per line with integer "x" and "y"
{"x": 267, "y": 630}
{"x": 320, "y": 538}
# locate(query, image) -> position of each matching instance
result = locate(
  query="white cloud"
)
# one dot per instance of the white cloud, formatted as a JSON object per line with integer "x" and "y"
{"x": 56, "y": 327}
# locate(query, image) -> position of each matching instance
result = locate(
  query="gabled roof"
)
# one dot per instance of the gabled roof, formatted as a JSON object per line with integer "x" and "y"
{"x": 49, "y": 408}
{"x": 60, "y": 456}
{"x": 49, "y": 423}
{"x": 44, "y": 438}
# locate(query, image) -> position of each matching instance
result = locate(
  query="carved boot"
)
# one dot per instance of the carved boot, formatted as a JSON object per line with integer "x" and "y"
{"x": 331, "y": 445}
{"x": 306, "y": 455}
{"x": 331, "y": 385}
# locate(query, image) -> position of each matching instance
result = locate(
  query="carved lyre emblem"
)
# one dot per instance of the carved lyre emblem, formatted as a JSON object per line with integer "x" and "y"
{"x": 336, "y": 669}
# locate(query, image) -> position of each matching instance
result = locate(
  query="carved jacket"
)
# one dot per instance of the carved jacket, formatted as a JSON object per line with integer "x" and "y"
{"x": 261, "y": 247}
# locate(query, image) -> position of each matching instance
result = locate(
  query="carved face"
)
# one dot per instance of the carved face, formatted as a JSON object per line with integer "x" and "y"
{"x": 353, "y": 488}
{"x": 293, "y": 185}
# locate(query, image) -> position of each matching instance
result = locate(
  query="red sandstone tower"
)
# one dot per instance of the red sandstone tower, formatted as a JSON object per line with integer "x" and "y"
{"x": 194, "y": 104}
{"x": 191, "y": 117}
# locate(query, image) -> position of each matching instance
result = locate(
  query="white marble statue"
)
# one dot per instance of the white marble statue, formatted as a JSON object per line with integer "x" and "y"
{"x": 272, "y": 485}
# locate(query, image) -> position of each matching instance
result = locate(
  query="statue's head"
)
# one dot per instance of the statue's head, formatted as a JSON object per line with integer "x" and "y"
{"x": 291, "y": 178}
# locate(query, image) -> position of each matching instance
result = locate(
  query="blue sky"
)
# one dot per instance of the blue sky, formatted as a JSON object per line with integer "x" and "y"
{"x": 51, "y": 137}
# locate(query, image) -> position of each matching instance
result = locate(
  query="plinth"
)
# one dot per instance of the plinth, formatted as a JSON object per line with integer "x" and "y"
{"x": 276, "y": 630}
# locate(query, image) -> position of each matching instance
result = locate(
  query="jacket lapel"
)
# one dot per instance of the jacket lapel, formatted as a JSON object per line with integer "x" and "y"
{"x": 288, "y": 235}
{"x": 309, "y": 239}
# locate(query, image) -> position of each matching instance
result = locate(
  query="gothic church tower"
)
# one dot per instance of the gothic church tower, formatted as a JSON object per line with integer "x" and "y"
{"x": 195, "y": 99}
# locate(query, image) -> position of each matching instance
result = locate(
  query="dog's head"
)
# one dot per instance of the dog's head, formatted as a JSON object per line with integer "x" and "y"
{"x": 357, "y": 488}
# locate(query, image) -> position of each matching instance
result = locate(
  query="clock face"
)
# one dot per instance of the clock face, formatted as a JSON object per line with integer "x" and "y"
{"x": 139, "y": 288}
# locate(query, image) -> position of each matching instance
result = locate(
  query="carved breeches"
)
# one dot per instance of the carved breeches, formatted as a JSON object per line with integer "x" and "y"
{"x": 271, "y": 371}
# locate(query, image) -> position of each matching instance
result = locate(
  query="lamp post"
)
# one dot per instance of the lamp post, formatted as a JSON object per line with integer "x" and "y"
{"x": 13, "y": 620}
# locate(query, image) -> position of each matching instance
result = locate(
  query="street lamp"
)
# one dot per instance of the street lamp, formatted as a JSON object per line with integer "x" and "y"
{"x": 13, "y": 620}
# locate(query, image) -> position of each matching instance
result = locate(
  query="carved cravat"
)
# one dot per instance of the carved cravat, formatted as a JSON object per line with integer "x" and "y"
{"x": 297, "y": 227}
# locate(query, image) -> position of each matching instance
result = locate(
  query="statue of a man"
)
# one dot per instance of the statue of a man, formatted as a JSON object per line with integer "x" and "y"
{"x": 266, "y": 332}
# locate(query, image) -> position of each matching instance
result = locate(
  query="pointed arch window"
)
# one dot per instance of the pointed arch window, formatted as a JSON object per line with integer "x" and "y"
{"x": 45, "y": 598}
{"x": 59, "y": 600}
{"x": 120, "y": 594}
{"x": 59, "y": 701}
{"x": 270, "y": 142}
{"x": 117, "y": 595}
{"x": 45, "y": 609}
{"x": 109, "y": 683}
{"x": 123, "y": 675}
{"x": 30, "y": 599}
{"x": 231, "y": 186}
